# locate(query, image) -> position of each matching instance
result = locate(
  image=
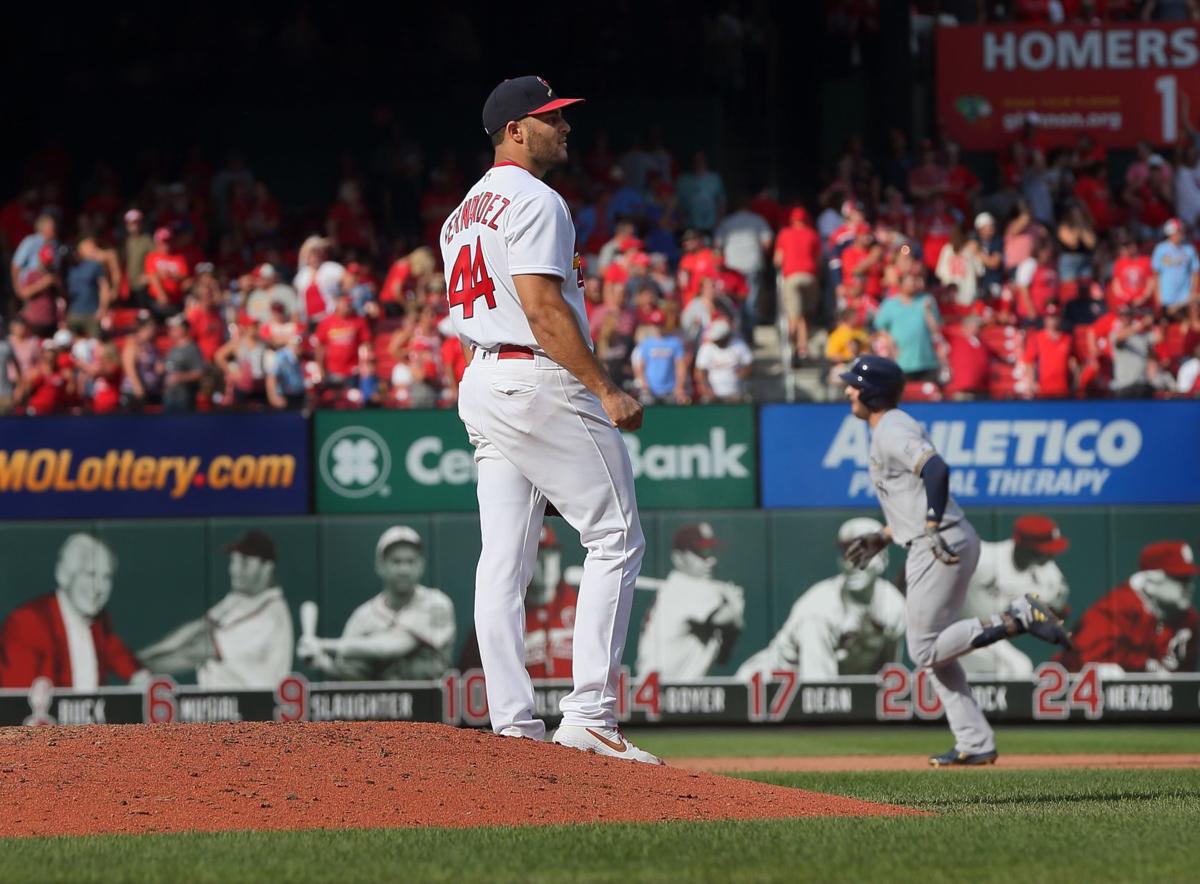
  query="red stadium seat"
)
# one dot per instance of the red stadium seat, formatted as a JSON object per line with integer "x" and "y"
{"x": 1005, "y": 342}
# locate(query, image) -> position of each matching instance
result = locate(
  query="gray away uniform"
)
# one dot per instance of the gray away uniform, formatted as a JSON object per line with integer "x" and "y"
{"x": 935, "y": 635}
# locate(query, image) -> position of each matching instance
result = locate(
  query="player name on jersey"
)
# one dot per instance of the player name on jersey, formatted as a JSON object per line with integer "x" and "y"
{"x": 482, "y": 208}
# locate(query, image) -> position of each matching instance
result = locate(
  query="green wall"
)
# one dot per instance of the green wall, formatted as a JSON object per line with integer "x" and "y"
{"x": 170, "y": 572}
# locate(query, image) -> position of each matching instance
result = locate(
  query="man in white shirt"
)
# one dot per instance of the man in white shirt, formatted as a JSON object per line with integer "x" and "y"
{"x": 723, "y": 363}
{"x": 744, "y": 239}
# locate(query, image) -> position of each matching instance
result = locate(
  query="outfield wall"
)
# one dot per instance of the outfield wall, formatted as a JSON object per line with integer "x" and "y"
{"x": 173, "y": 572}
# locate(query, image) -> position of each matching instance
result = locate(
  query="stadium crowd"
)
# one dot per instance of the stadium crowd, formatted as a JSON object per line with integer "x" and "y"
{"x": 1067, "y": 278}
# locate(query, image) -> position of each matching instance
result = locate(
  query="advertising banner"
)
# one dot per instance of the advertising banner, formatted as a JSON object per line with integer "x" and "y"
{"x": 422, "y": 461}
{"x": 1000, "y": 453}
{"x": 1117, "y": 82}
{"x": 154, "y": 465}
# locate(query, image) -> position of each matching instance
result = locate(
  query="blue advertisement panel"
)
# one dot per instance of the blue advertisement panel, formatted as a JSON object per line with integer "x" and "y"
{"x": 153, "y": 465}
{"x": 1000, "y": 453}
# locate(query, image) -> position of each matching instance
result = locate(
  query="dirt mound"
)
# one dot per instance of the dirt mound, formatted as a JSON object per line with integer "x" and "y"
{"x": 843, "y": 763}
{"x": 194, "y": 777}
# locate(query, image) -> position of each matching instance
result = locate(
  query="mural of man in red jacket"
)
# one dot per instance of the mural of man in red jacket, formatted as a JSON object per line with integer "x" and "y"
{"x": 67, "y": 635}
{"x": 1148, "y": 623}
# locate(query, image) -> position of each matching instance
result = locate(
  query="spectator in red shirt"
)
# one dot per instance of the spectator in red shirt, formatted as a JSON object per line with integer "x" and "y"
{"x": 698, "y": 263}
{"x": 167, "y": 275}
{"x": 1050, "y": 357}
{"x": 798, "y": 259}
{"x": 41, "y": 292}
{"x": 1133, "y": 279}
{"x": 405, "y": 278}
{"x": 1091, "y": 189}
{"x": 863, "y": 259}
{"x": 204, "y": 316}
{"x": 968, "y": 360}
{"x": 1036, "y": 285}
{"x": 106, "y": 380}
{"x": 51, "y": 386}
{"x": 935, "y": 224}
{"x": 338, "y": 340}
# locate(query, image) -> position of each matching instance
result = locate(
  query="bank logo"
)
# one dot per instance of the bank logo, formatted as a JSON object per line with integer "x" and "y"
{"x": 355, "y": 462}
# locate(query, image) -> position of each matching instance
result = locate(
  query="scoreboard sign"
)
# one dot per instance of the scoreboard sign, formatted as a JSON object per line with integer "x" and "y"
{"x": 1118, "y": 82}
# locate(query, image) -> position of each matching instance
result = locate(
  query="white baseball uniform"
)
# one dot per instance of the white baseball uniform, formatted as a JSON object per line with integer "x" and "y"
{"x": 828, "y": 634}
{"x": 538, "y": 434}
{"x": 252, "y": 639}
{"x": 428, "y": 616}
{"x": 685, "y": 630}
{"x": 994, "y": 586}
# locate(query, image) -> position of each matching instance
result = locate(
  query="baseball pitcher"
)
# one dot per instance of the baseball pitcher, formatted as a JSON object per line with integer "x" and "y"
{"x": 544, "y": 418}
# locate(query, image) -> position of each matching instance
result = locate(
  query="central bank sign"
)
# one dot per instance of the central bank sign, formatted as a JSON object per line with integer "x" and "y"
{"x": 999, "y": 453}
{"x": 421, "y": 461}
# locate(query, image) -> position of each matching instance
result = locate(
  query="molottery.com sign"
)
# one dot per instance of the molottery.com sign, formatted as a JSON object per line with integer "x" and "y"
{"x": 159, "y": 465}
{"x": 421, "y": 461}
{"x": 1119, "y": 82}
{"x": 1060, "y": 453}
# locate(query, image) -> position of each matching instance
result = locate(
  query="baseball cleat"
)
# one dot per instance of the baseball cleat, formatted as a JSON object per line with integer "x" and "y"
{"x": 954, "y": 758}
{"x": 1038, "y": 620}
{"x": 607, "y": 741}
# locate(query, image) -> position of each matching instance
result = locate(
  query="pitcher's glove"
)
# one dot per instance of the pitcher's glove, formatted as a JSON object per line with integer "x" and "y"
{"x": 859, "y": 551}
{"x": 938, "y": 546}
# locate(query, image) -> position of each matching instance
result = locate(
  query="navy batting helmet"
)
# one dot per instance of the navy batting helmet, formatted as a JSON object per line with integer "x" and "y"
{"x": 879, "y": 381}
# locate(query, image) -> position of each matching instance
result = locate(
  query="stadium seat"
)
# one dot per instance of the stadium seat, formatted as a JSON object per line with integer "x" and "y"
{"x": 921, "y": 391}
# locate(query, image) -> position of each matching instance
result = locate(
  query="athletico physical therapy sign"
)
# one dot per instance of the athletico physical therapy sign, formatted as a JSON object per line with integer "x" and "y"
{"x": 157, "y": 465}
{"x": 1117, "y": 82}
{"x": 1061, "y": 453}
{"x": 421, "y": 461}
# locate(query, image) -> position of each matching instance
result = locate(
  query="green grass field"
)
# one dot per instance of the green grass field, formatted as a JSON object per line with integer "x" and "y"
{"x": 990, "y": 825}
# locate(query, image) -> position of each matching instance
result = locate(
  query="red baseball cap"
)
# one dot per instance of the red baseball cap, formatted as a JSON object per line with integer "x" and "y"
{"x": 697, "y": 537}
{"x": 547, "y": 540}
{"x": 517, "y": 98}
{"x": 798, "y": 215}
{"x": 1174, "y": 557}
{"x": 630, "y": 244}
{"x": 640, "y": 259}
{"x": 1039, "y": 533}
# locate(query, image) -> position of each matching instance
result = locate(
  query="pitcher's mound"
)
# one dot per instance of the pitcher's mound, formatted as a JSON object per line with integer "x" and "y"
{"x": 194, "y": 777}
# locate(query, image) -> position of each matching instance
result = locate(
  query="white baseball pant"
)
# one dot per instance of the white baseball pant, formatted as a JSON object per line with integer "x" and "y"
{"x": 540, "y": 435}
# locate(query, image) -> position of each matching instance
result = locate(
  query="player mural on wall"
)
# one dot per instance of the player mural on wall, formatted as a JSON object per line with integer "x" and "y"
{"x": 549, "y": 616}
{"x": 67, "y": 636}
{"x": 1147, "y": 624}
{"x": 243, "y": 641}
{"x": 850, "y": 624}
{"x": 405, "y": 632}
{"x": 1007, "y": 570}
{"x": 695, "y": 619}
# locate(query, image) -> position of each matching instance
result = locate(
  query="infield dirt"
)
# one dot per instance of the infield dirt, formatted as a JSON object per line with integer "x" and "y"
{"x": 170, "y": 778}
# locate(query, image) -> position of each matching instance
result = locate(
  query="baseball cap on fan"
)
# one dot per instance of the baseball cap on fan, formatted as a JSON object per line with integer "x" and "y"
{"x": 254, "y": 543}
{"x": 517, "y": 98}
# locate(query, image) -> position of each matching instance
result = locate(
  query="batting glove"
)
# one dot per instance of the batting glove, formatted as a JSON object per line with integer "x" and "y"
{"x": 937, "y": 544}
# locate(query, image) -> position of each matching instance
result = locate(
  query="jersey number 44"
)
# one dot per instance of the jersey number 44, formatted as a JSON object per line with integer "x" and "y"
{"x": 469, "y": 281}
